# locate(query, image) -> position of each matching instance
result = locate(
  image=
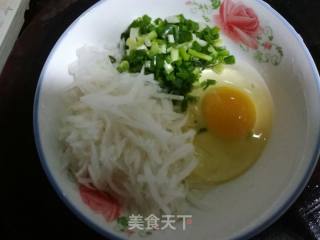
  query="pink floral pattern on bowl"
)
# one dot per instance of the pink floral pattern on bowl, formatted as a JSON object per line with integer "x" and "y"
{"x": 242, "y": 25}
{"x": 239, "y": 22}
{"x": 100, "y": 203}
{"x": 107, "y": 206}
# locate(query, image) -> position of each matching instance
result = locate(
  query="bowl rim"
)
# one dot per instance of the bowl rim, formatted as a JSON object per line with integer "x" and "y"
{"x": 258, "y": 228}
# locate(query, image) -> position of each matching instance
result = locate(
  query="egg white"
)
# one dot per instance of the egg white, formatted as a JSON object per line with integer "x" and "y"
{"x": 222, "y": 160}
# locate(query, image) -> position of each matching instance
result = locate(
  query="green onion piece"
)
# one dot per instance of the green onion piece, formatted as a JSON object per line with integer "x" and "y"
{"x": 200, "y": 55}
{"x": 168, "y": 67}
{"x": 196, "y": 71}
{"x": 212, "y": 50}
{"x": 123, "y": 221}
{"x": 140, "y": 41}
{"x": 148, "y": 43}
{"x": 174, "y": 55}
{"x": 134, "y": 33}
{"x": 184, "y": 36}
{"x": 155, "y": 49}
{"x": 218, "y": 68}
{"x": 207, "y": 83}
{"x": 170, "y": 38}
{"x": 147, "y": 64}
{"x": 202, "y": 130}
{"x": 188, "y": 99}
{"x": 223, "y": 53}
{"x": 112, "y": 59}
{"x": 123, "y": 66}
{"x": 183, "y": 53}
{"x": 152, "y": 35}
{"x": 163, "y": 48}
{"x": 215, "y": 4}
{"x": 131, "y": 43}
{"x": 229, "y": 60}
{"x": 218, "y": 43}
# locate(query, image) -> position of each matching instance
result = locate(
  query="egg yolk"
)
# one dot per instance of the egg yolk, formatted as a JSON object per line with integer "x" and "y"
{"x": 228, "y": 112}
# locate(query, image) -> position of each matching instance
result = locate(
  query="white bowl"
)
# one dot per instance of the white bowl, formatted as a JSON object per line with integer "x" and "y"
{"x": 240, "y": 208}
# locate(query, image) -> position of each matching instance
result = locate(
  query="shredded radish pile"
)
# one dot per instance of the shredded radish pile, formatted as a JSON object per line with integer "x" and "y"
{"x": 122, "y": 136}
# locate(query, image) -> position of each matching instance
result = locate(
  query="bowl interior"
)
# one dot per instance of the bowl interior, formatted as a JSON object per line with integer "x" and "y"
{"x": 240, "y": 207}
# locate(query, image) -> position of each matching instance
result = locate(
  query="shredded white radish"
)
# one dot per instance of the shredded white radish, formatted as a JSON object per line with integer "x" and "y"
{"x": 122, "y": 135}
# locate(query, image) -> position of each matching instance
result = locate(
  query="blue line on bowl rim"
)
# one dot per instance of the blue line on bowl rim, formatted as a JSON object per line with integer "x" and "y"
{"x": 257, "y": 229}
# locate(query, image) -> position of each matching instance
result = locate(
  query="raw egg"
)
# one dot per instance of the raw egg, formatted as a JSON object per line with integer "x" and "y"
{"x": 234, "y": 119}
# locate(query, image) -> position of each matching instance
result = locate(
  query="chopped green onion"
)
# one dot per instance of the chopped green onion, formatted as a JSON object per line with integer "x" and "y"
{"x": 176, "y": 50}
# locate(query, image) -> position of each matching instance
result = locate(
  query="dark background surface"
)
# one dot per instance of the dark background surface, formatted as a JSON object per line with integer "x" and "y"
{"x": 29, "y": 206}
